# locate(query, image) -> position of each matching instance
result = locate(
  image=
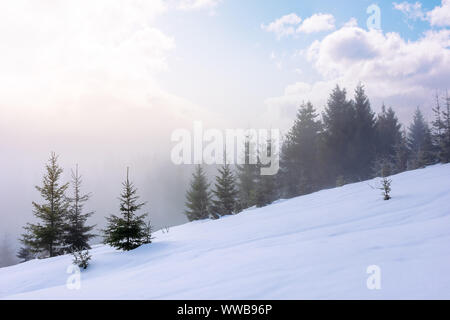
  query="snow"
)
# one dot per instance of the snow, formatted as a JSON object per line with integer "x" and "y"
{"x": 317, "y": 246}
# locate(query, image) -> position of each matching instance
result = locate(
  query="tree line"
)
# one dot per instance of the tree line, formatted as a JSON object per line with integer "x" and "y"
{"x": 347, "y": 143}
{"x": 61, "y": 220}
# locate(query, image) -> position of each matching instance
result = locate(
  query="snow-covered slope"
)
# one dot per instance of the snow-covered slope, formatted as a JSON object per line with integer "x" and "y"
{"x": 316, "y": 246}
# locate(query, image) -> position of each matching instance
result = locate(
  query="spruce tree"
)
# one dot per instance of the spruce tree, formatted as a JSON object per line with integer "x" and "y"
{"x": 388, "y": 137}
{"x": 339, "y": 125}
{"x": 198, "y": 197}
{"x": 47, "y": 236}
{"x": 267, "y": 189}
{"x": 437, "y": 129}
{"x": 445, "y": 143}
{"x": 225, "y": 192}
{"x": 363, "y": 145}
{"x": 300, "y": 157}
{"x": 81, "y": 258}
{"x": 24, "y": 254}
{"x": 77, "y": 232}
{"x": 386, "y": 188}
{"x": 401, "y": 154}
{"x": 419, "y": 142}
{"x": 246, "y": 177}
{"x": 129, "y": 230}
{"x": 266, "y": 192}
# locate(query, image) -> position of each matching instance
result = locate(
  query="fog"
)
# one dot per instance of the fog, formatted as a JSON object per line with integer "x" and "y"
{"x": 81, "y": 80}
{"x": 86, "y": 81}
{"x": 103, "y": 128}
{"x": 103, "y": 142}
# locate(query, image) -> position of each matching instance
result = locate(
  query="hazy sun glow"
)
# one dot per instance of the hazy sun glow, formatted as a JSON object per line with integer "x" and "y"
{"x": 104, "y": 83}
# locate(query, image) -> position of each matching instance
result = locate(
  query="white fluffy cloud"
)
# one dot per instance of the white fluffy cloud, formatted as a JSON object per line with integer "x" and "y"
{"x": 317, "y": 23}
{"x": 404, "y": 73}
{"x": 48, "y": 40}
{"x": 353, "y": 22}
{"x": 284, "y": 26}
{"x": 384, "y": 58}
{"x": 438, "y": 17}
{"x": 411, "y": 10}
{"x": 292, "y": 24}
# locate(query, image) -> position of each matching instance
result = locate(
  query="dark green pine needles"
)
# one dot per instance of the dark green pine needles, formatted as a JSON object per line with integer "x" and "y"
{"x": 128, "y": 231}
{"x": 198, "y": 197}
{"x": 47, "y": 236}
{"x": 77, "y": 233}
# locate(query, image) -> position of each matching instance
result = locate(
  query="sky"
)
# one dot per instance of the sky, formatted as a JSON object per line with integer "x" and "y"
{"x": 254, "y": 62}
{"x": 104, "y": 83}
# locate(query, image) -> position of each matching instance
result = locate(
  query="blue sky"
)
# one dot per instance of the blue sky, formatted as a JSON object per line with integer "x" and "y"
{"x": 226, "y": 50}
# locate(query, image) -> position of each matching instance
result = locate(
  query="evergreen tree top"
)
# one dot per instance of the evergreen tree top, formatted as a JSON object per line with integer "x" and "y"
{"x": 51, "y": 189}
{"x": 128, "y": 198}
{"x": 47, "y": 236}
{"x": 77, "y": 232}
{"x": 198, "y": 196}
{"x": 225, "y": 192}
{"x": 337, "y": 95}
{"x": 338, "y": 112}
{"x": 364, "y": 113}
{"x": 305, "y": 124}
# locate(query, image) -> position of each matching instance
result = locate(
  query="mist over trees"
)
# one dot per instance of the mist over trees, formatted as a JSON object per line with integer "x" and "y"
{"x": 266, "y": 185}
{"x": 347, "y": 143}
{"x": 198, "y": 196}
{"x": 350, "y": 143}
{"x": 7, "y": 256}
{"x": 390, "y": 142}
{"x": 441, "y": 129}
{"x": 247, "y": 174}
{"x": 225, "y": 192}
{"x": 419, "y": 142}
{"x": 300, "y": 161}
